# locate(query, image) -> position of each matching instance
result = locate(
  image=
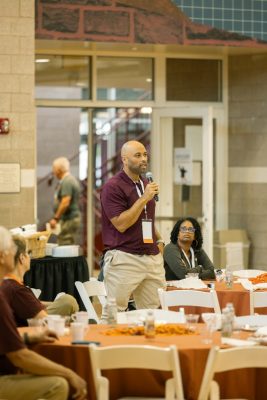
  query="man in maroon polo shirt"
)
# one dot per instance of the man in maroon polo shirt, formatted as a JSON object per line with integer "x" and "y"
{"x": 133, "y": 262}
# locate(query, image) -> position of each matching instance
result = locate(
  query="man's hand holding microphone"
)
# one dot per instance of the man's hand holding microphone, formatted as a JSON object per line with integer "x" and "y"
{"x": 152, "y": 189}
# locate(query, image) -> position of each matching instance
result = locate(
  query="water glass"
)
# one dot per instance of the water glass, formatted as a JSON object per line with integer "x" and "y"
{"x": 229, "y": 279}
{"x": 37, "y": 324}
{"x": 191, "y": 321}
{"x": 59, "y": 326}
{"x": 80, "y": 316}
{"x": 219, "y": 275}
{"x": 210, "y": 320}
{"x": 77, "y": 331}
{"x": 49, "y": 320}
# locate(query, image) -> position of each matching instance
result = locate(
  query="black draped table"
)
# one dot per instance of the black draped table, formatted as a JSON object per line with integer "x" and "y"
{"x": 57, "y": 274}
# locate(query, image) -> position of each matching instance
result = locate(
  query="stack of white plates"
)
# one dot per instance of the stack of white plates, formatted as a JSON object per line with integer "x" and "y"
{"x": 65, "y": 251}
{"x": 248, "y": 273}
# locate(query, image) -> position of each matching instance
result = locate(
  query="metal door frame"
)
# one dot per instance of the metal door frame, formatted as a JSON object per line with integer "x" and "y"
{"x": 162, "y": 167}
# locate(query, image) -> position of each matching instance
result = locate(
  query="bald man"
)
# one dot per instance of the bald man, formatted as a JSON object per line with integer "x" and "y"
{"x": 133, "y": 262}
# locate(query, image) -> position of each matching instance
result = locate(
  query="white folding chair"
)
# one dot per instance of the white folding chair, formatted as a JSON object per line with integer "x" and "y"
{"x": 86, "y": 301}
{"x": 257, "y": 299}
{"x": 96, "y": 288}
{"x": 36, "y": 292}
{"x": 195, "y": 298}
{"x": 140, "y": 357}
{"x": 227, "y": 360}
{"x": 160, "y": 315}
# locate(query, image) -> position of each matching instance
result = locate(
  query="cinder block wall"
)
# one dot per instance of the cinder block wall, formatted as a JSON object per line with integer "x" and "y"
{"x": 17, "y": 104}
{"x": 248, "y": 152}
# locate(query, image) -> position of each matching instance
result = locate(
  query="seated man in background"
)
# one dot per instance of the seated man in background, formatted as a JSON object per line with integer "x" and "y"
{"x": 22, "y": 300}
{"x": 41, "y": 378}
{"x": 184, "y": 254}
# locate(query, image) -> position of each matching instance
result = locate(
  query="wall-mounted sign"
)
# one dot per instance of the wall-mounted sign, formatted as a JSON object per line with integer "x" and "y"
{"x": 9, "y": 178}
{"x": 183, "y": 166}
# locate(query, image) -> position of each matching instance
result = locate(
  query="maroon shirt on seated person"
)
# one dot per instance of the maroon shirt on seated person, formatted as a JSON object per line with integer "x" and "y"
{"x": 21, "y": 300}
{"x": 10, "y": 339}
{"x": 118, "y": 195}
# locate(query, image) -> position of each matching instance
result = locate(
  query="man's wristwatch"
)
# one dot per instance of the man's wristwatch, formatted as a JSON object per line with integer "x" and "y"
{"x": 160, "y": 241}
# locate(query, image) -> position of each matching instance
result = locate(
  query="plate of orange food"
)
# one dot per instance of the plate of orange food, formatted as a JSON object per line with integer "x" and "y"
{"x": 249, "y": 273}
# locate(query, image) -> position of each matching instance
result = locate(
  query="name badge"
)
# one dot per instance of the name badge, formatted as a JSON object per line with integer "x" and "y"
{"x": 147, "y": 230}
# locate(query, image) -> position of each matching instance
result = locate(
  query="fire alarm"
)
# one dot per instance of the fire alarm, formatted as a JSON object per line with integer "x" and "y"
{"x": 4, "y": 125}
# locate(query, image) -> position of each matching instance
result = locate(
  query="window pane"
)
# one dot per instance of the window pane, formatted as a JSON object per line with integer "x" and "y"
{"x": 124, "y": 78}
{"x": 55, "y": 140}
{"x": 193, "y": 80}
{"x": 62, "y": 77}
{"x": 112, "y": 127}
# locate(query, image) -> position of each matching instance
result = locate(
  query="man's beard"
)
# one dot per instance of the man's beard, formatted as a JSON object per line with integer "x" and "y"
{"x": 138, "y": 170}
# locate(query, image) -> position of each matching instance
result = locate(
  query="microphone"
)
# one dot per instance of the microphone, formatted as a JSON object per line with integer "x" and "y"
{"x": 149, "y": 177}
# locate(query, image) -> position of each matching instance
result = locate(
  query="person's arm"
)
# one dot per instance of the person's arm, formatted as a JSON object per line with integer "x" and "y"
{"x": 207, "y": 271}
{"x": 33, "y": 363}
{"x": 128, "y": 217}
{"x": 172, "y": 257}
{"x": 62, "y": 207}
{"x": 160, "y": 241}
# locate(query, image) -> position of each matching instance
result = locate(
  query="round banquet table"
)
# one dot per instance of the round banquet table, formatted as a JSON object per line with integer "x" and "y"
{"x": 238, "y": 295}
{"x": 246, "y": 383}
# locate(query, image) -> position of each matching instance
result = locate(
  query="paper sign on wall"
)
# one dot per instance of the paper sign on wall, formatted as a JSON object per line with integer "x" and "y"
{"x": 9, "y": 178}
{"x": 183, "y": 166}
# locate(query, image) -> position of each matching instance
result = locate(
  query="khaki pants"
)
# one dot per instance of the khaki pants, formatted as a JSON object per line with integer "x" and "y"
{"x": 69, "y": 230}
{"x": 65, "y": 305}
{"x": 33, "y": 387}
{"x": 140, "y": 275}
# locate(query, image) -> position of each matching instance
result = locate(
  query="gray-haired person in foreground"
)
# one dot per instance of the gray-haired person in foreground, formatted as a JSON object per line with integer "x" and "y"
{"x": 41, "y": 378}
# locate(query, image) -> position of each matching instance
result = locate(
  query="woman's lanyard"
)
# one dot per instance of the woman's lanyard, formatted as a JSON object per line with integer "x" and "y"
{"x": 192, "y": 263}
{"x": 140, "y": 193}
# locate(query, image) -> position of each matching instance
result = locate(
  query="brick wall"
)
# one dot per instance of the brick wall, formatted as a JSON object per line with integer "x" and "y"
{"x": 128, "y": 21}
{"x": 17, "y": 104}
{"x": 248, "y": 151}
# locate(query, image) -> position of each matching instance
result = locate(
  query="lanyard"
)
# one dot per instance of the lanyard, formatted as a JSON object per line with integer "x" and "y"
{"x": 140, "y": 194}
{"x": 192, "y": 265}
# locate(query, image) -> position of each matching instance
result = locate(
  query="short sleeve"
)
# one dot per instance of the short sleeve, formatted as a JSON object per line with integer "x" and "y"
{"x": 113, "y": 201}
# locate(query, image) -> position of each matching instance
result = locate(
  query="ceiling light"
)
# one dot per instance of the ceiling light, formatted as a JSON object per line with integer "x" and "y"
{"x": 42, "y": 60}
{"x": 146, "y": 110}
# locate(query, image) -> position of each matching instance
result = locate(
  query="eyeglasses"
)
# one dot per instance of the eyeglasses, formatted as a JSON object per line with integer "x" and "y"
{"x": 184, "y": 229}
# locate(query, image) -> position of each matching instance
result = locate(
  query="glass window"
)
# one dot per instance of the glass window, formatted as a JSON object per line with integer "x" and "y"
{"x": 62, "y": 77}
{"x": 124, "y": 78}
{"x": 111, "y": 128}
{"x": 193, "y": 80}
{"x": 61, "y": 132}
{"x": 207, "y": 14}
{"x": 228, "y": 14}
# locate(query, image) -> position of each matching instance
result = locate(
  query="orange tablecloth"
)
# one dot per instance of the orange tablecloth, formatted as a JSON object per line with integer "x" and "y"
{"x": 236, "y": 295}
{"x": 250, "y": 384}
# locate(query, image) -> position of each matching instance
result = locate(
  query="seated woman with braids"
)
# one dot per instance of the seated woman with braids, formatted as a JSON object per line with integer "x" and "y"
{"x": 184, "y": 254}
